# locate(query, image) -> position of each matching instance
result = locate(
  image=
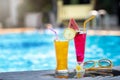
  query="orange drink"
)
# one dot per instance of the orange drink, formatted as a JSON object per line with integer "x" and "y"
{"x": 61, "y": 48}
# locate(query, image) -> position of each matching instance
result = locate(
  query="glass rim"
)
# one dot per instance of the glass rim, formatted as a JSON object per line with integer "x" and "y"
{"x": 81, "y": 30}
{"x": 62, "y": 40}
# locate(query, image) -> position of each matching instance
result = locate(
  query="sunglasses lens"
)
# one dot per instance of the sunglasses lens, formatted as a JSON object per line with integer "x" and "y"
{"x": 104, "y": 63}
{"x": 89, "y": 64}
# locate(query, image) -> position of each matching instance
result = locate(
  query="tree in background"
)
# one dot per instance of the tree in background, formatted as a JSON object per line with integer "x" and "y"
{"x": 111, "y": 6}
{"x": 118, "y": 11}
{"x": 105, "y": 4}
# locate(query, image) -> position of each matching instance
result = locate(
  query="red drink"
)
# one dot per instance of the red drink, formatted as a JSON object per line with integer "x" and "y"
{"x": 79, "y": 42}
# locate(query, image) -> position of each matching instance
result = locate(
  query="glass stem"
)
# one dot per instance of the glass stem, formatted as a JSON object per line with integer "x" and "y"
{"x": 79, "y": 63}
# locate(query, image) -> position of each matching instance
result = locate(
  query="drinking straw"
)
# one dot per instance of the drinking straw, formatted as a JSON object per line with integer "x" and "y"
{"x": 86, "y": 21}
{"x": 49, "y": 26}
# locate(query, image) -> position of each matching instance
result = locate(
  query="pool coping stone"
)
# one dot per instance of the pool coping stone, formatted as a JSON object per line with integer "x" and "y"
{"x": 42, "y": 75}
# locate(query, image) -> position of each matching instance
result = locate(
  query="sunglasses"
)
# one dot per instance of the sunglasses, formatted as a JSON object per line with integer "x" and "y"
{"x": 100, "y": 64}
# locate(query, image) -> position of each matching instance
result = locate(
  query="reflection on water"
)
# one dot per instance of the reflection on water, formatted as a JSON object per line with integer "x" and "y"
{"x": 35, "y": 51}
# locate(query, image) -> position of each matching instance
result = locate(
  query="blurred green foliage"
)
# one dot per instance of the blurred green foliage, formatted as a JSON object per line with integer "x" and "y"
{"x": 74, "y": 1}
{"x": 106, "y": 4}
{"x": 38, "y": 5}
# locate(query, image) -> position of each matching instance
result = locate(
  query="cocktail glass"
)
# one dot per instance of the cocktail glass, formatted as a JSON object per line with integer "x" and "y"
{"x": 79, "y": 41}
{"x": 61, "y": 48}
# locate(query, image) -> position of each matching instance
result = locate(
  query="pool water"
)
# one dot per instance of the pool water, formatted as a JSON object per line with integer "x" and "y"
{"x": 35, "y": 51}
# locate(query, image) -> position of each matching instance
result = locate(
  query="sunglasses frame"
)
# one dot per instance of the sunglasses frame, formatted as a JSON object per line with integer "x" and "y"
{"x": 111, "y": 64}
{"x": 99, "y": 65}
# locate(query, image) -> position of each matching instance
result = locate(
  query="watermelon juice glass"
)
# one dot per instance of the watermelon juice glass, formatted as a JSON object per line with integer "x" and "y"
{"x": 79, "y": 41}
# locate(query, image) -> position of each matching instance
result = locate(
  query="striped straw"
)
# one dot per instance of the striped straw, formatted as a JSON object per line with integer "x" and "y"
{"x": 49, "y": 26}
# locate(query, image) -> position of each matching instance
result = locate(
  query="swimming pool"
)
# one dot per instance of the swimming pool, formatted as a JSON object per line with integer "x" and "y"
{"x": 35, "y": 51}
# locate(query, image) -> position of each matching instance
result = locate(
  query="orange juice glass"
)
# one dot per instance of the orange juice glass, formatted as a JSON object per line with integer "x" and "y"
{"x": 61, "y": 48}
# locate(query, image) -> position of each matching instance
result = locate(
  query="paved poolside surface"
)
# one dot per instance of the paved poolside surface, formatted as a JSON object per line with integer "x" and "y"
{"x": 44, "y": 75}
{"x": 15, "y": 30}
{"x": 115, "y": 32}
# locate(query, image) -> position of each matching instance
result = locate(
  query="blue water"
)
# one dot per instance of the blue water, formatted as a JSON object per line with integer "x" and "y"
{"x": 35, "y": 51}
